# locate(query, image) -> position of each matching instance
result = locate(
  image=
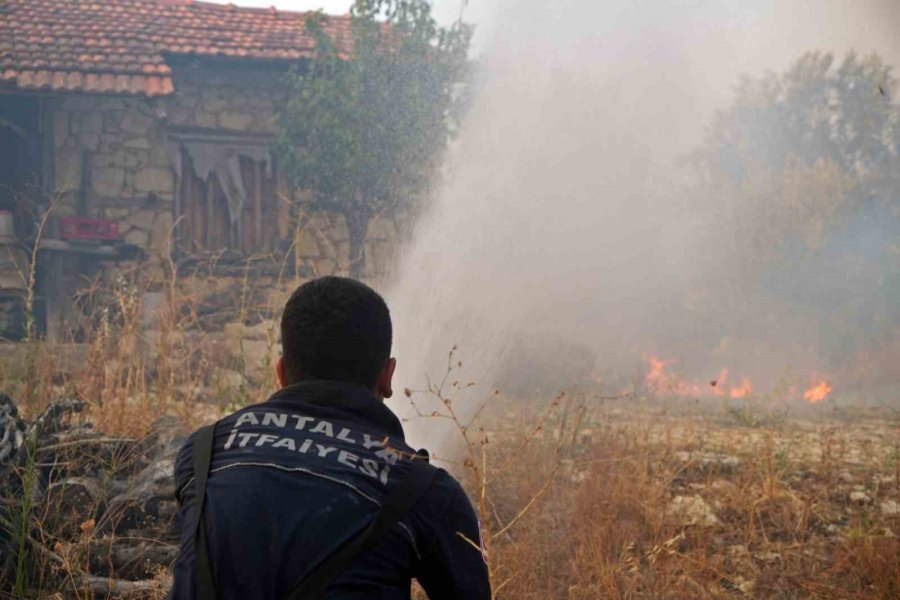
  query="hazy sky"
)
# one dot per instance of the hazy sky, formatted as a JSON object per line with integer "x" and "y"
{"x": 445, "y": 9}
{"x": 329, "y": 6}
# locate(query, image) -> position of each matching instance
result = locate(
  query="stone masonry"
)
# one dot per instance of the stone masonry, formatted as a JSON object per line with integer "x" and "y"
{"x": 133, "y": 181}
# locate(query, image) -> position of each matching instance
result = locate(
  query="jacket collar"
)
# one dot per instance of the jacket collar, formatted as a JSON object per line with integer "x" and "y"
{"x": 355, "y": 400}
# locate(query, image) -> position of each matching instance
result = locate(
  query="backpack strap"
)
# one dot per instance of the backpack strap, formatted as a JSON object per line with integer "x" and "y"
{"x": 396, "y": 506}
{"x": 202, "y": 457}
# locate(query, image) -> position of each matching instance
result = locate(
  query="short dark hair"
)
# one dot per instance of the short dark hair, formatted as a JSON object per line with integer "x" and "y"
{"x": 335, "y": 328}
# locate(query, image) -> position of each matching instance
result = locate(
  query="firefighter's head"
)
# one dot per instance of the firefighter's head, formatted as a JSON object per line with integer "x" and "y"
{"x": 339, "y": 329}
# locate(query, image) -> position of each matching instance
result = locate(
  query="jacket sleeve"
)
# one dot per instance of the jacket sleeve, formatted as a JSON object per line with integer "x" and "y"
{"x": 452, "y": 562}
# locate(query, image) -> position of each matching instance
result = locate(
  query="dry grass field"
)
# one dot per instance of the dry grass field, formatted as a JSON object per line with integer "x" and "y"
{"x": 582, "y": 497}
{"x": 649, "y": 499}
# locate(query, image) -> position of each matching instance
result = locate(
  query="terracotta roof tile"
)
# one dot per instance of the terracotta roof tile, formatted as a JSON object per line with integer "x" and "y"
{"x": 120, "y": 46}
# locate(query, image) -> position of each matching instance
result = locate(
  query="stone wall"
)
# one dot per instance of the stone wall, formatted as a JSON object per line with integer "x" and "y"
{"x": 132, "y": 178}
{"x": 323, "y": 241}
{"x": 228, "y": 101}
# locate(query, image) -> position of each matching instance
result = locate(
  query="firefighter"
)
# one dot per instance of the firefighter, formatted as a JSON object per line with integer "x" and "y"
{"x": 314, "y": 493}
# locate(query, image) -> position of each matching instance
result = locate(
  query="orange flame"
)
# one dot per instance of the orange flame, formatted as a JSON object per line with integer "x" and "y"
{"x": 817, "y": 393}
{"x": 661, "y": 381}
{"x": 742, "y": 391}
{"x": 657, "y": 377}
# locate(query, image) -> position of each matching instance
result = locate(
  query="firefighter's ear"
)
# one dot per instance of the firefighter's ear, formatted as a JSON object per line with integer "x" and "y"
{"x": 383, "y": 388}
{"x": 279, "y": 371}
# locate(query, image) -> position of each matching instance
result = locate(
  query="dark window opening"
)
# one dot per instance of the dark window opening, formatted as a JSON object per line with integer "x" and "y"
{"x": 20, "y": 157}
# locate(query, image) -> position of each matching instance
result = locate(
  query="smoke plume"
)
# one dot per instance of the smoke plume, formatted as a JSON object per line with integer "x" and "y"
{"x": 565, "y": 224}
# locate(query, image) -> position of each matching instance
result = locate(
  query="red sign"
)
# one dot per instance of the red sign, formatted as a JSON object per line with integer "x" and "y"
{"x": 88, "y": 228}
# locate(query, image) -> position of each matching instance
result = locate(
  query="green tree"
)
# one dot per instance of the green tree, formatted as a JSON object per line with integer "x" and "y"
{"x": 368, "y": 119}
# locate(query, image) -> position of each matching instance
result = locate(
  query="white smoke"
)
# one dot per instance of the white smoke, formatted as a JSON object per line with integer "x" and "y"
{"x": 562, "y": 213}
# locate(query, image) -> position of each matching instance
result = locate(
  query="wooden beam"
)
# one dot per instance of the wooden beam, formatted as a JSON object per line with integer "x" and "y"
{"x": 84, "y": 193}
{"x": 257, "y": 207}
{"x": 48, "y": 154}
{"x": 206, "y": 135}
{"x": 197, "y": 207}
{"x": 209, "y": 223}
{"x": 176, "y": 211}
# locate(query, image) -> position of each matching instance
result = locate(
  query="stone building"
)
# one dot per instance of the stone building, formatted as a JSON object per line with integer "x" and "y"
{"x": 146, "y": 128}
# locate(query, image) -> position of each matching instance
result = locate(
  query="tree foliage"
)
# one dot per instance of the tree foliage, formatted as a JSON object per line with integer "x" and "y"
{"x": 367, "y": 122}
{"x": 816, "y": 110}
{"x": 802, "y": 192}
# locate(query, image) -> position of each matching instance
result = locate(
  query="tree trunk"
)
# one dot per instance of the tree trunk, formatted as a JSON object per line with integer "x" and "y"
{"x": 357, "y": 225}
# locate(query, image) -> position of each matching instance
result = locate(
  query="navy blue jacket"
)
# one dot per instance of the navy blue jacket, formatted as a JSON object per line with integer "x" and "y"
{"x": 294, "y": 478}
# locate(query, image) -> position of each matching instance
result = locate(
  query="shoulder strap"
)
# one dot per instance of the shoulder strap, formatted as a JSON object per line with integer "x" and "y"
{"x": 396, "y": 506}
{"x": 202, "y": 456}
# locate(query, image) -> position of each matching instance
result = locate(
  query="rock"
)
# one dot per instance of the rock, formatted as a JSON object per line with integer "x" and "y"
{"x": 126, "y": 158}
{"x": 745, "y": 585}
{"x": 142, "y": 219}
{"x": 738, "y": 552}
{"x": 161, "y": 232}
{"x": 13, "y": 429}
{"x": 150, "y": 309}
{"x": 138, "y": 142}
{"x": 236, "y": 121}
{"x": 692, "y": 510}
{"x": 108, "y": 181}
{"x": 113, "y": 212}
{"x": 380, "y": 228}
{"x": 709, "y": 460}
{"x": 215, "y": 104}
{"x": 156, "y": 273}
{"x": 890, "y": 508}
{"x": 138, "y": 237}
{"x": 308, "y": 246}
{"x": 92, "y": 122}
{"x": 858, "y": 497}
{"x": 251, "y": 345}
{"x": 238, "y": 336}
{"x": 75, "y": 497}
{"x": 78, "y": 103}
{"x": 723, "y": 486}
{"x": 111, "y": 121}
{"x": 68, "y": 170}
{"x": 60, "y": 128}
{"x": 379, "y": 256}
{"x": 205, "y": 119}
{"x": 229, "y": 380}
{"x": 586, "y": 436}
{"x": 159, "y": 157}
{"x": 343, "y": 252}
{"x": 258, "y": 354}
{"x": 90, "y": 141}
{"x": 154, "y": 179}
{"x": 147, "y": 505}
{"x": 325, "y": 266}
{"x": 134, "y": 122}
{"x": 767, "y": 556}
